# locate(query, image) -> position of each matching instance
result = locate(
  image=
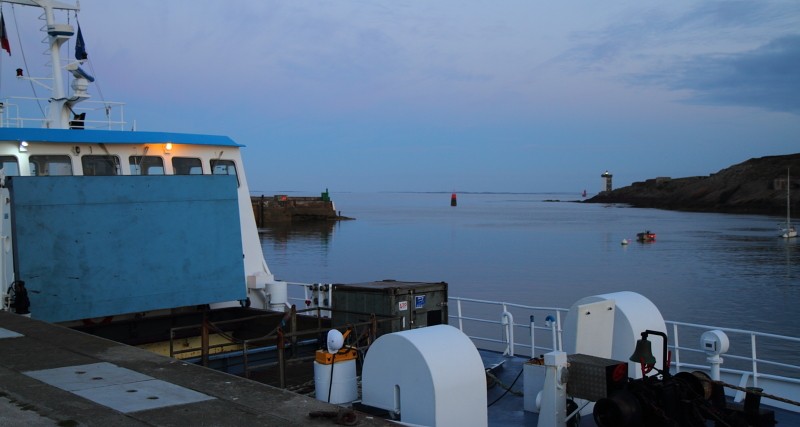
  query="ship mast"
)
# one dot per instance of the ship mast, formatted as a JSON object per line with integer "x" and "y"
{"x": 58, "y": 115}
{"x": 788, "y": 199}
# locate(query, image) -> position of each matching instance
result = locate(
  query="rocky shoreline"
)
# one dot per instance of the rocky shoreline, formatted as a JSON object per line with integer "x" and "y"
{"x": 756, "y": 186}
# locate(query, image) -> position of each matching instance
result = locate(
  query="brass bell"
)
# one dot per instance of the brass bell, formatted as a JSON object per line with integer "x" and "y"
{"x": 643, "y": 353}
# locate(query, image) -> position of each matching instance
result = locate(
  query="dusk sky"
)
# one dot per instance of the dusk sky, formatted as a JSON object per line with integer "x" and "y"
{"x": 444, "y": 95}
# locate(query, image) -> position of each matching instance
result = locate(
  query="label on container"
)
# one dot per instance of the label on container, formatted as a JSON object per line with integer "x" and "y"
{"x": 402, "y": 306}
{"x": 419, "y": 301}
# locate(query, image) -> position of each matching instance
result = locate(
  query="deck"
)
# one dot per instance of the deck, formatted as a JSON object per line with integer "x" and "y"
{"x": 51, "y": 375}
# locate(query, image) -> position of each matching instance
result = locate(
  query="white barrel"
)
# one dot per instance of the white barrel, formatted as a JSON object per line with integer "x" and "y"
{"x": 344, "y": 388}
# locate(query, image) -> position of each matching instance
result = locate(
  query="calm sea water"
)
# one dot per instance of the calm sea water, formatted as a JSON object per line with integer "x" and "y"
{"x": 718, "y": 269}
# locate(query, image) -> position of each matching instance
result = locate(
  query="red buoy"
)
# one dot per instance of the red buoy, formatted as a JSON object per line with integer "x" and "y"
{"x": 453, "y": 201}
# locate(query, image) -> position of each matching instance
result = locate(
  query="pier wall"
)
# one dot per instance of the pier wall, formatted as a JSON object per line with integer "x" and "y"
{"x": 282, "y": 209}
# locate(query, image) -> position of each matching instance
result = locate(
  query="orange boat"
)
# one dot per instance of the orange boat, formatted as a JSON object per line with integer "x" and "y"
{"x": 647, "y": 236}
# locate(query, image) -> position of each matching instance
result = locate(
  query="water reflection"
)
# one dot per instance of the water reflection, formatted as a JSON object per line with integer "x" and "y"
{"x": 753, "y": 251}
{"x": 730, "y": 270}
{"x": 304, "y": 231}
{"x": 299, "y": 251}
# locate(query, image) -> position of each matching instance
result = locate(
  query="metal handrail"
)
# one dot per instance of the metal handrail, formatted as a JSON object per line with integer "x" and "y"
{"x": 476, "y": 324}
{"x": 459, "y": 317}
{"x": 752, "y": 359}
{"x": 555, "y": 330}
{"x": 10, "y": 115}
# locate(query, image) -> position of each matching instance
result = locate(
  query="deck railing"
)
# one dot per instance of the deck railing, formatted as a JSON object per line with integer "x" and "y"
{"x": 754, "y": 359}
{"x": 767, "y": 361}
{"x": 19, "y": 112}
{"x": 492, "y": 323}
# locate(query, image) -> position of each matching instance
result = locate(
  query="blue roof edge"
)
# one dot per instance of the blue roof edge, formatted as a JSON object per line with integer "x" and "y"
{"x": 86, "y": 136}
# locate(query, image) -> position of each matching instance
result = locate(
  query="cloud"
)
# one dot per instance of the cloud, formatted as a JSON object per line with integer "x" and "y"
{"x": 734, "y": 53}
{"x": 643, "y": 32}
{"x": 765, "y": 77}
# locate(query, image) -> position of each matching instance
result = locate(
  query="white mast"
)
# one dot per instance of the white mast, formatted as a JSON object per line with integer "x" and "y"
{"x": 788, "y": 201}
{"x": 789, "y": 231}
{"x": 58, "y": 116}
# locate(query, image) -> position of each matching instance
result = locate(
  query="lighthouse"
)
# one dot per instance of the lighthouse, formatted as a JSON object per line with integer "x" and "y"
{"x": 607, "y": 178}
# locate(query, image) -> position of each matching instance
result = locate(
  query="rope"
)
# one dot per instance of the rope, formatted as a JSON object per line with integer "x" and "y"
{"x": 507, "y": 388}
{"x": 759, "y": 393}
{"x": 303, "y": 388}
{"x": 25, "y": 60}
{"x": 502, "y": 385}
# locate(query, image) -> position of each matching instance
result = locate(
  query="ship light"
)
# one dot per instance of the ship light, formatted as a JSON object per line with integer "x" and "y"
{"x": 23, "y": 146}
{"x": 335, "y": 341}
{"x": 168, "y": 147}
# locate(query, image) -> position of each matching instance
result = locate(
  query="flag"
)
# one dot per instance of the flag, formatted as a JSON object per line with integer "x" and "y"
{"x": 80, "y": 47}
{"x": 3, "y": 36}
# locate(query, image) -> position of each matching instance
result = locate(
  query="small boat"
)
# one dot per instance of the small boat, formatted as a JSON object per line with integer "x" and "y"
{"x": 790, "y": 230}
{"x": 647, "y": 236}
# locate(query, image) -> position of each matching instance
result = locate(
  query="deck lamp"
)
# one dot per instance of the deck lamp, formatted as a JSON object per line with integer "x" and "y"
{"x": 168, "y": 147}
{"x": 23, "y": 146}
{"x": 335, "y": 341}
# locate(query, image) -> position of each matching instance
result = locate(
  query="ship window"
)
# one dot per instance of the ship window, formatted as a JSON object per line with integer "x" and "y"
{"x": 187, "y": 166}
{"x": 147, "y": 165}
{"x": 9, "y": 165}
{"x": 50, "y": 165}
{"x": 100, "y": 165}
{"x": 224, "y": 167}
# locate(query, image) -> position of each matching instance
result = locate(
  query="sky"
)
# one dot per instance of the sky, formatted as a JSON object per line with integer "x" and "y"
{"x": 446, "y": 95}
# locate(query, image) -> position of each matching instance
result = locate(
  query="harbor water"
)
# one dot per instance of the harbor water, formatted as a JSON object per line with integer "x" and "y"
{"x": 546, "y": 250}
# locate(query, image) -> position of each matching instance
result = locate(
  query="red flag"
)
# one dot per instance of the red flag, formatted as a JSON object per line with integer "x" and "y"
{"x": 3, "y": 36}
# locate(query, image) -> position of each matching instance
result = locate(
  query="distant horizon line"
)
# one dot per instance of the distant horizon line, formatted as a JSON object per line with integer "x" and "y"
{"x": 274, "y": 192}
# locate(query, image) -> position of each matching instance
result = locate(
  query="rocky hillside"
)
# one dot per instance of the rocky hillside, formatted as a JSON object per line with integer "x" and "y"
{"x": 756, "y": 186}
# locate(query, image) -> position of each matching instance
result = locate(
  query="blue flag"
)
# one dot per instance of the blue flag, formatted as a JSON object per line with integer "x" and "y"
{"x": 80, "y": 47}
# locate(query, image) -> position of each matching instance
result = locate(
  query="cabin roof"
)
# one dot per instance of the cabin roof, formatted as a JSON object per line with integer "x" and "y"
{"x": 85, "y": 136}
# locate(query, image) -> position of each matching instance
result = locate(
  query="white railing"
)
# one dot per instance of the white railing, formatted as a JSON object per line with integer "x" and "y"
{"x": 111, "y": 114}
{"x": 313, "y": 295}
{"x": 785, "y": 346}
{"x": 751, "y": 353}
{"x": 476, "y": 318}
{"x": 767, "y": 361}
{"x": 756, "y": 359}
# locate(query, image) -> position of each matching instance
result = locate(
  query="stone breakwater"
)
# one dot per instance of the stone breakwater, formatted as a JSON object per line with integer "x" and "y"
{"x": 756, "y": 186}
{"x": 281, "y": 209}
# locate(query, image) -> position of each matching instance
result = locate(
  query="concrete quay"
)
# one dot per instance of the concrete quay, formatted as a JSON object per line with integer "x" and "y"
{"x": 54, "y": 376}
{"x": 283, "y": 209}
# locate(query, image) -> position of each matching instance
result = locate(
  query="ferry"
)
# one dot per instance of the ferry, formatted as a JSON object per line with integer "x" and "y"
{"x": 107, "y": 228}
{"x": 99, "y": 223}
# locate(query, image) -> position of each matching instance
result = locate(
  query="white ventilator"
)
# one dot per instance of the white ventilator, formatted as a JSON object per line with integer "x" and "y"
{"x": 430, "y": 376}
